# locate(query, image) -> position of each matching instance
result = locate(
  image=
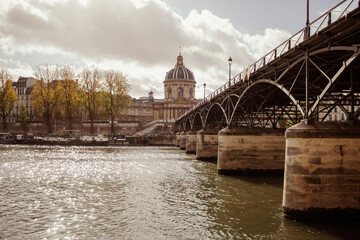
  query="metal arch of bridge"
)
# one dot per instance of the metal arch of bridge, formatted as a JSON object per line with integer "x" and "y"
{"x": 290, "y": 74}
{"x": 331, "y": 80}
{"x": 228, "y": 103}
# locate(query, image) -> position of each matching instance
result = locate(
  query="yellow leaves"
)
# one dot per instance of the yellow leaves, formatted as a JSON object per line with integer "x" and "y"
{"x": 115, "y": 93}
{"x": 7, "y": 94}
{"x": 71, "y": 96}
{"x": 45, "y": 96}
{"x": 46, "y": 91}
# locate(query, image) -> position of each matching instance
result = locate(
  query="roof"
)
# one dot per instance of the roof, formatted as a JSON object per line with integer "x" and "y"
{"x": 180, "y": 72}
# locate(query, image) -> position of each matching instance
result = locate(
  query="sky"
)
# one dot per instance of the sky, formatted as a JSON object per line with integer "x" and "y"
{"x": 142, "y": 38}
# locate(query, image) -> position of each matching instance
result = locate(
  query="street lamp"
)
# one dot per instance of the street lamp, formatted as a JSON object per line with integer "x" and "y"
{"x": 204, "y": 90}
{"x": 307, "y": 31}
{"x": 230, "y": 61}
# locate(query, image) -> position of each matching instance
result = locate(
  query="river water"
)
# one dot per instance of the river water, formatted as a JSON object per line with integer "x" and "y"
{"x": 53, "y": 192}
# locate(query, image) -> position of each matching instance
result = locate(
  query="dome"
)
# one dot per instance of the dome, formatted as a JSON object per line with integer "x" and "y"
{"x": 180, "y": 72}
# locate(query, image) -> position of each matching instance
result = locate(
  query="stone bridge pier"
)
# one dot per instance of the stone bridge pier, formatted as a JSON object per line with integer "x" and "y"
{"x": 177, "y": 140}
{"x": 322, "y": 165}
{"x": 190, "y": 145}
{"x": 251, "y": 150}
{"x": 207, "y": 145}
{"x": 182, "y": 141}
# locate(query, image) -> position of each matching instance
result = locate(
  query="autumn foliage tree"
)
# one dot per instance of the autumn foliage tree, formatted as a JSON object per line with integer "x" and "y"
{"x": 46, "y": 92}
{"x": 114, "y": 98}
{"x": 71, "y": 96}
{"x": 7, "y": 96}
{"x": 59, "y": 89}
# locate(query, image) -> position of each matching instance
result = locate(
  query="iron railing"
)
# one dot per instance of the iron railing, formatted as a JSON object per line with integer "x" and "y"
{"x": 332, "y": 15}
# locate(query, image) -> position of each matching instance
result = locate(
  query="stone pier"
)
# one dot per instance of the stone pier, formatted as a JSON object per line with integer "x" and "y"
{"x": 207, "y": 145}
{"x": 190, "y": 142}
{"x": 322, "y": 166}
{"x": 251, "y": 150}
{"x": 182, "y": 143}
{"x": 177, "y": 140}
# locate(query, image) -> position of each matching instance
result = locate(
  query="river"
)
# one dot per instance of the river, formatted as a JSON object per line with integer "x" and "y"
{"x": 54, "y": 192}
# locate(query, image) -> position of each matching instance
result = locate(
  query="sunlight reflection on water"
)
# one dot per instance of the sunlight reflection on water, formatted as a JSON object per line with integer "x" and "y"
{"x": 135, "y": 193}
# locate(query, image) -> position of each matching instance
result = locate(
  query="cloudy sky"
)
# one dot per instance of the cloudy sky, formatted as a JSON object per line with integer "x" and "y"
{"x": 141, "y": 38}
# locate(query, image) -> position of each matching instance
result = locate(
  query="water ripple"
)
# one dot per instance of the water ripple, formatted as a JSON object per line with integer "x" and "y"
{"x": 131, "y": 193}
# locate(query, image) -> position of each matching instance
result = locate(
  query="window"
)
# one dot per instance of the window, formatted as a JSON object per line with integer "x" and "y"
{"x": 180, "y": 92}
{"x": 169, "y": 92}
{"x": 191, "y": 93}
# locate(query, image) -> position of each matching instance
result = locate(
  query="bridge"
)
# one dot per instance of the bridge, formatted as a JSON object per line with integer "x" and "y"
{"x": 278, "y": 115}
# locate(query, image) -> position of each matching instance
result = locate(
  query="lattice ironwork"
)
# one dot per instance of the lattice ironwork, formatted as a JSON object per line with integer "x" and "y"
{"x": 309, "y": 80}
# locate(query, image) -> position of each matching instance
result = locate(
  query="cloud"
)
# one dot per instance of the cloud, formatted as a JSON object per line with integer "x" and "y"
{"x": 102, "y": 29}
{"x": 138, "y": 37}
{"x": 16, "y": 67}
{"x": 259, "y": 45}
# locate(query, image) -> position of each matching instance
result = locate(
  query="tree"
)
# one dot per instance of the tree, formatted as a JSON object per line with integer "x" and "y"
{"x": 46, "y": 92}
{"x": 8, "y": 96}
{"x": 71, "y": 94}
{"x": 90, "y": 84}
{"x": 24, "y": 117}
{"x": 115, "y": 97}
{"x": 286, "y": 121}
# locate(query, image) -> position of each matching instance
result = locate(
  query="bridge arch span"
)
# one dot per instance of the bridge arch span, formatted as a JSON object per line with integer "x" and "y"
{"x": 215, "y": 114}
{"x": 327, "y": 69}
{"x": 197, "y": 120}
{"x": 260, "y": 101}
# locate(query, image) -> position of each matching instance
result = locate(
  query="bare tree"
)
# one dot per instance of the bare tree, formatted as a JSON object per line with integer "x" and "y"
{"x": 90, "y": 84}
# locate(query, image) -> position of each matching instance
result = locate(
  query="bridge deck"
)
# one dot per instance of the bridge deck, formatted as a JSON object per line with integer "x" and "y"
{"x": 302, "y": 69}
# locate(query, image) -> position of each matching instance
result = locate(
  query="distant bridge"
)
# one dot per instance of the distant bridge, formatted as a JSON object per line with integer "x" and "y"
{"x": 305, "y": 77}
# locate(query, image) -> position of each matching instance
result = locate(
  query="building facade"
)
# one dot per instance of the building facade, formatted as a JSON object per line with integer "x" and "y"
{"x": 179, "y": 96}
{"x": 23, "y": 88}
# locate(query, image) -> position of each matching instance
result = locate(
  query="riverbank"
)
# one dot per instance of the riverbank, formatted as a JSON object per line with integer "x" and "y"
{"x": 99, "y": 140}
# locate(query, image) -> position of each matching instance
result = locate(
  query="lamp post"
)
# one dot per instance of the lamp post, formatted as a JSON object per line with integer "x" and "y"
{"x": 307, "y": 31}
{"x": 230, "y": 61}
{"x": 228, "y": 108}
{"x": 204, "y": 90}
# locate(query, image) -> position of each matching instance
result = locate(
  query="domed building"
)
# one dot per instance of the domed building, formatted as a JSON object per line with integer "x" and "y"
{"x": 179, "y": 82}
{"x": 179, "y": 96}
{"x": 145, "y": 115}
